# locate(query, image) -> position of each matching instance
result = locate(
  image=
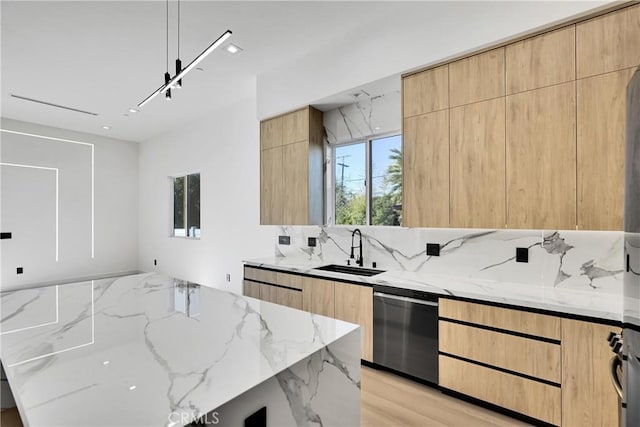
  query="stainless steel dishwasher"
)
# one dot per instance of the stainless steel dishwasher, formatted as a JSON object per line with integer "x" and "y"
{"x": 405, "y": 332}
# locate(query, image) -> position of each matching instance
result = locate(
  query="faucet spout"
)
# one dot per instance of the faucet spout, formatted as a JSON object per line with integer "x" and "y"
{"x": 360, "y": 259}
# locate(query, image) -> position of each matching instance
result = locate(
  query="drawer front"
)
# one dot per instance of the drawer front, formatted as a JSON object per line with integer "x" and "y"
{"x": 527, "y": 356}
{"x": 529, "y": 397}
{"x": 540, "y": 325}
{"x": 269, "y": 293}
{"x": 289, "y": 280}
{"x": 290, "y": 298}
{"x": 259, "y": 275}
{"x": 251, "y": 289}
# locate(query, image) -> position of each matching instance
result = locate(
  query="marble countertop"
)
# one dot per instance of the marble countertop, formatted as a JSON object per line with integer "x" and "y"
{"x": 136, "y": 349}
{"x": 563, "y": 301}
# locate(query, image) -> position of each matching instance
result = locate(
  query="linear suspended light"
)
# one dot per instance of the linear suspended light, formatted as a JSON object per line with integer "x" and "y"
{"x": 178, "y": 77}
{"x": 213, "y": 46}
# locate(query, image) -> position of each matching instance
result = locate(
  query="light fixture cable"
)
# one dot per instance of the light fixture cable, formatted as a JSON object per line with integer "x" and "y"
{"x": 178, "y": 61}
{"x": 167, "y": 76}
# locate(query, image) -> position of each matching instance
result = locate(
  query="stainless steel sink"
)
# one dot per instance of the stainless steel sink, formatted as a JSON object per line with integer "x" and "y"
{"x": 347, "y": 269}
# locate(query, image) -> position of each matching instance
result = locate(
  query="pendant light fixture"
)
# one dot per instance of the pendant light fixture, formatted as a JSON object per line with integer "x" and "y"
{"x": 176, "y": 81}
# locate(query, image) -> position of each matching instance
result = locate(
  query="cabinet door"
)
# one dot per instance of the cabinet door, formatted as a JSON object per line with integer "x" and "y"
{"x": 355, "y": 304}
{"x": 426, "y": 170}
{"x": 295, "y": 210}
{"x": 601, "y": 145}
{"x": 289, "y": 298}
{"x": 318, "y": 296}
{"x": 477, "y": 172}
{"x": 251, "y": 289}
{"x": 541, "y": 61}
{"x": 425, "y": 92}
{"x": 588, "y": 398}
{"x": 271, "y": 133}
{"x": 295, "y": 126}
{"x": 271, "y": 186}
{"x": 608, "y": 43}
{"x": 477, "y": 78}
{"x": 269, "y": 293}
{"x": 541, "y": 158}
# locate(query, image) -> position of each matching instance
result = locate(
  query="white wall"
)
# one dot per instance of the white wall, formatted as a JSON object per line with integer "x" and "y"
{"x": 410, "y": 37}
{"x": 224, "y": 147}
{"x": 28, "y": 205}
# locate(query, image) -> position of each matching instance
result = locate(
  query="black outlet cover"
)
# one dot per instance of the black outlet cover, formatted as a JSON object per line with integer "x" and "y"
{"x": 522, "y": 254}
{"x": 257, "y": 419}
{"x": 284, "y": 240}
{"x": 5, "y": 235}
{"x": 311, "y": 242}
{"x": 433, "y": 249}
{"x": 19, "y": 270}
{"x": 155, "y": 262}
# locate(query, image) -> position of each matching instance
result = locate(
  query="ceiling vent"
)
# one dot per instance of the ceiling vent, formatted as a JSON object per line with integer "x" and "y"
{"x": 50, "y": 104}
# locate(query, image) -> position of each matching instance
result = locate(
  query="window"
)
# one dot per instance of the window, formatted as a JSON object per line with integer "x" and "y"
{"x": 186, "y": 206}
{"x": 368, "y": 182}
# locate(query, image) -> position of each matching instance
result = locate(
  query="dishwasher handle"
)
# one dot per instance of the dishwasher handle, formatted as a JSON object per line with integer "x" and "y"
{"x": 406, "y": 299}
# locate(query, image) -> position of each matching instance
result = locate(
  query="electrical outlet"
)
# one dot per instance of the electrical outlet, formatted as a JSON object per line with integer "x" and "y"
{"x": 19, "y": 270}
{"x": 228, "y": 276}
{"x": 433, "y": 249}
{"x": 522, "y": 254}
{"x": 311, "y": 242}
{"x": 155, "y": 262}
{"x": 284, "y": 240}
{"x": 5, "y": 235}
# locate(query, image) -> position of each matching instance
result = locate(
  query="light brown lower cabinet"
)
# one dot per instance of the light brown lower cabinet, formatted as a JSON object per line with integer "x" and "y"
{"x": 528, "y": 397}
{"x": 269, "y": 293}
{"x": 546, "y": 367}
{"x": 251, "y": 289}
{"x": 354, "y": 304}
{"x": 318, "y": 296}
{"x": 289, "y": 297}
{"x": 588, "y": 398}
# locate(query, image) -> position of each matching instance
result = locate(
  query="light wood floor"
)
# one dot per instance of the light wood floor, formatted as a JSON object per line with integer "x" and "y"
{"x": 390, "y": 400}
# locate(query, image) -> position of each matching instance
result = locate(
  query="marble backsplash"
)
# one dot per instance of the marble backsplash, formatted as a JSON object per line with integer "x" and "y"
{"x": 588, "y": 260}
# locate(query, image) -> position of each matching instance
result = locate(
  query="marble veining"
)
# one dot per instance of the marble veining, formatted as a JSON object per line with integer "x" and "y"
{"x": 128, "y": 351}
{"x": 581, "y": 260}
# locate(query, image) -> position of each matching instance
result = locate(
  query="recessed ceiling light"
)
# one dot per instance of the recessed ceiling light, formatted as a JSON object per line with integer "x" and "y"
{"x": 132, "y": 388}
{"x": 133, "y": 110}
{"x": 105, "y": 127}
{"x": 377, "y": 128}
{"x": 106, "y": 362}
{"x": 232, "y": 48}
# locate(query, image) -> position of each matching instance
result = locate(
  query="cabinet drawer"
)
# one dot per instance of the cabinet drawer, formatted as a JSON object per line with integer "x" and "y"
{"x": 527, "y": 356}
{"x": 289, "y": 280}
{"x": 290, "y": 298}
{"x": 529, "y": 397}
{"x": 251, "y": 289}
{"x": 259, "y": 275}
{"x": 539, "y": 325}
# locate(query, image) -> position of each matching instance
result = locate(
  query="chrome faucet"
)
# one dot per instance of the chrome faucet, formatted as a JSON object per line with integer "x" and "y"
{"x": 359, "y": 260}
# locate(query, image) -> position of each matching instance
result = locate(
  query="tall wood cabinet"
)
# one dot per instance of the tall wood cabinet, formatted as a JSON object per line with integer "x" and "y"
{"x": 291, "y": 168}
{"x": 528, "y": 135}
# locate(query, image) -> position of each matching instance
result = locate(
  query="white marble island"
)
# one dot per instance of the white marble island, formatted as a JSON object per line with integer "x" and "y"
{"x": 148, "y": 350}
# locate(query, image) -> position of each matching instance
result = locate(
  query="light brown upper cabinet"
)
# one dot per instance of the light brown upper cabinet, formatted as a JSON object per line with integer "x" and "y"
{"x": 271, "y": 186}
{"x": 477, "y": 78}
{"x": 541, "y": 61}
{"x": 295, "y": 127}
{"x": 608, "y": 43}
{"x": 426, "y": 170}
{"x": 541, "y": 158}
{"x": 478, "y": 165}
{"x": 426, "y": 91}
{"x": 291, "y": 168}
{"x": 601, "y": 135}
{"x": 271, "y": 133}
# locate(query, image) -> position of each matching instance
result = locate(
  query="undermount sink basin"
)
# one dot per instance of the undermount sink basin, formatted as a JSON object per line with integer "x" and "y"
{"x": 347, "y": 269}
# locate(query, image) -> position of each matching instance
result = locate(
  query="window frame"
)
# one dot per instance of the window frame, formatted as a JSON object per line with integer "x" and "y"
{"x": 367, "y": 141}
{"x": 172, "y": 179}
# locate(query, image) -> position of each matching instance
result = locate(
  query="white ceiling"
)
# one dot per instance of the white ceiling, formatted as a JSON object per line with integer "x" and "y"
{"x": 107, "y": 56}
